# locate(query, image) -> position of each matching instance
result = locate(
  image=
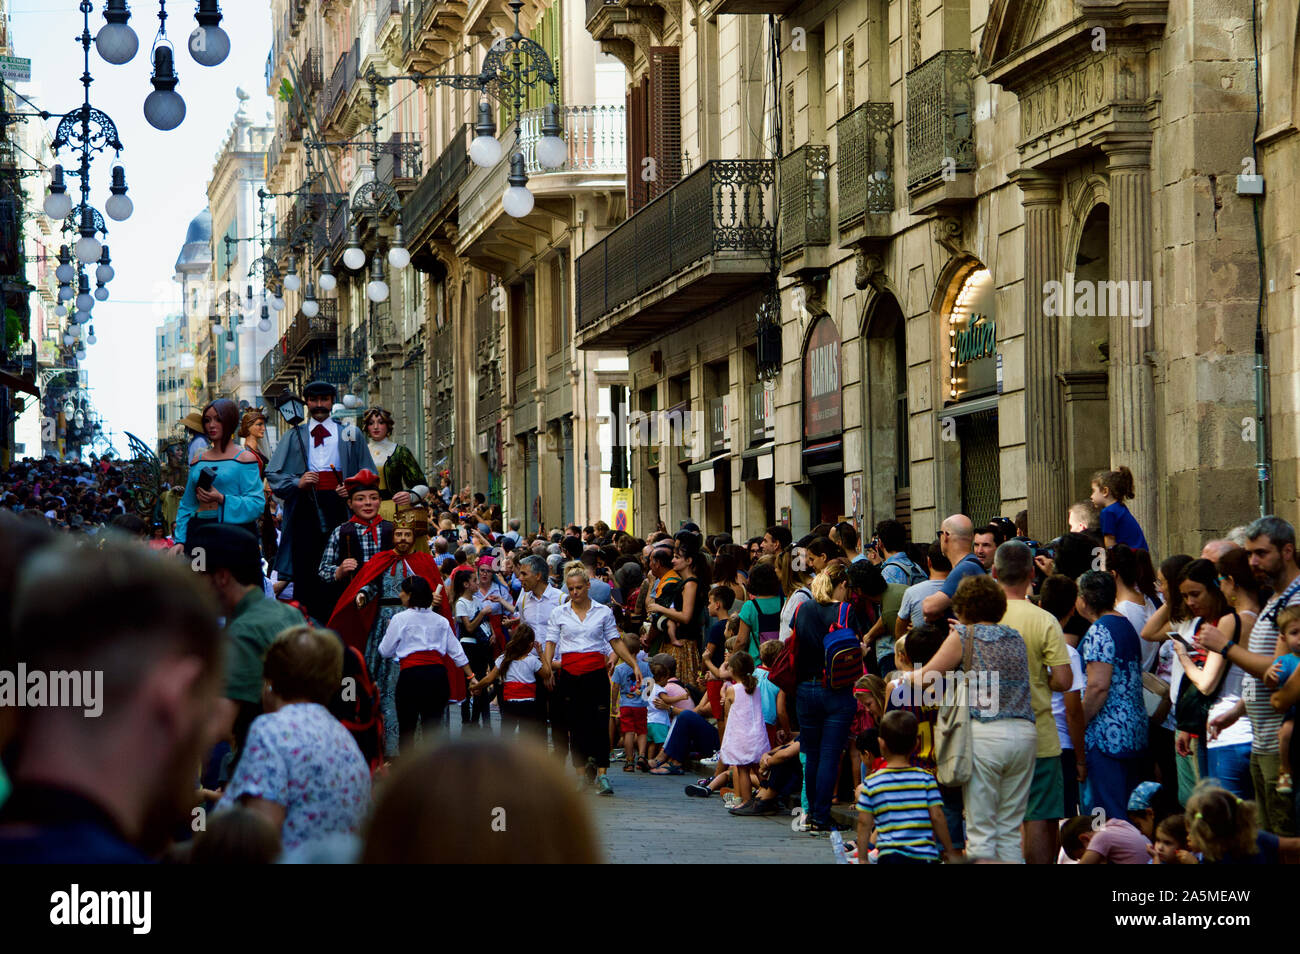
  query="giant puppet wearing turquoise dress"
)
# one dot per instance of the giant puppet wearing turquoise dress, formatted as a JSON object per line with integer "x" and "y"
{"x": 224, "y": 483}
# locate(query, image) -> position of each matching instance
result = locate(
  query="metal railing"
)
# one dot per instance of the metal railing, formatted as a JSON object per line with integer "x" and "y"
{"x": 311, "y": 75}
{"x": 865, "y": 163}
{"x": 805, "y": 198}
{"x": 399, "y": 160}
{"x": 342, "y": 77}
{"x": 273, "y": 360}
{"x": 940, "y": 119}
{"x": 726, "y": 205}
{"x": 596, "y": 137}
{"x": 439, "y": 185}
{"x": 383, "y": 10}
{"x": 273, "y": 152}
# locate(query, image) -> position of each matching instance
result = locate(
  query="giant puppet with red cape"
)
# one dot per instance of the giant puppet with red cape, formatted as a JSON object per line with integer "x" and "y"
{"x": 362, "y": 622}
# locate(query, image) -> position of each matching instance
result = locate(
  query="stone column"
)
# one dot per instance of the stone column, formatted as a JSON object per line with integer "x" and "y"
{"x": 1048, "y": 492}
{"x": 1132, "y": 390}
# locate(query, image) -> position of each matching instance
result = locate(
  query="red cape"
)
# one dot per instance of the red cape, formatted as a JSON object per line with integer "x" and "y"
{"x": 354, "y": 624}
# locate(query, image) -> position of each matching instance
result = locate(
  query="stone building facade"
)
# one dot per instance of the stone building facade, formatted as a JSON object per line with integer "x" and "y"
{"x": 473, "y": 349}
{"x": 1012, "y": 245}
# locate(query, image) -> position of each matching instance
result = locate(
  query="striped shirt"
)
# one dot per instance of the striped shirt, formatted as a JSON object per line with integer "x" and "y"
{"x": 899, "y": 799}
{"x": 1264, "y": 721}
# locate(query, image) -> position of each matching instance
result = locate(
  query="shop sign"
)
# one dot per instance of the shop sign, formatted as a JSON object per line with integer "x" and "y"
{"x": 822, "y": 408}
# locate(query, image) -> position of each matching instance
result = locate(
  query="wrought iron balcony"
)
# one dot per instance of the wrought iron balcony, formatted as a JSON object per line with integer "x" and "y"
{"x": 865, "y": 163}
{"x": 274, "y": 151}
{"x": 696, "y": 245}
{"x": 596, "y": 137}
{"x": 940, "y": 119}
{"x": 384, "y": 10}
{"x": 438, "y": 187}
{"x": 341, "y": 80}
{"x": 311, "y": 75}
{"x": 805, "y": 198}
{"x": 399, "y": 161}
{"x": 272, "y": 363}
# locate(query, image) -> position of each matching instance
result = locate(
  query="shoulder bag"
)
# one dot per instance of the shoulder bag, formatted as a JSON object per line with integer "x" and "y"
{"x": 953, "y": 746}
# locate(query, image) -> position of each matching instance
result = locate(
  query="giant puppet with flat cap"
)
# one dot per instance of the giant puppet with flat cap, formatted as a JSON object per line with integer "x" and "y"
{"x": 373, "y": 598}
{"x": 307, "y": 472}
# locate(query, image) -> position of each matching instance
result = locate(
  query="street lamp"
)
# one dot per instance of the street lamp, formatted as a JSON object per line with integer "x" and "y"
{"x": 115, "y": 41}
{"x": 398, "y": 255}
{"x": 326, "y": 279}
{"x": 291, "y": 280}
{"x": 119, "y": 206}
{"x": 65, "y": 273}
{"x": 209, "y": 44}
{"x": 104, "y": 272}
{"x": 57, "y": 202}
{"x": 164, "y": 108}
{"x": 485, "y": 149}
{"x": 310, "y": 307}
{"x": 377, "y": 288}
{"x": 85, "y": 301}
{"x": 517, "y": 201}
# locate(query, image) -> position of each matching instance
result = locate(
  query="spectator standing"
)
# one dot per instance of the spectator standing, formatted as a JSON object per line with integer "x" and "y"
{"x": 1116, "y": 734}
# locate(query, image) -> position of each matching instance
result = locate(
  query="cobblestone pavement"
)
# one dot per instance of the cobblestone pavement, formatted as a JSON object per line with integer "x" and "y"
{"x": 649, "y": 819}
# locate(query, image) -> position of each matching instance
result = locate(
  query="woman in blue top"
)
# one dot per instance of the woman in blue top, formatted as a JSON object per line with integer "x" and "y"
{"x": 1110, "y": 488}
{"x": 236, "y": 492}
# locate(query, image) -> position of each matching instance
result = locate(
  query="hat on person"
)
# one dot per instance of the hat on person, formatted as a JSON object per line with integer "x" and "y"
{"x": 1143, "y": 796}
{"x": 485, "y": 560}
{"x": 362, "y": 480}
{"x": 193, "y": 421}
{"x": 320, "y": 389}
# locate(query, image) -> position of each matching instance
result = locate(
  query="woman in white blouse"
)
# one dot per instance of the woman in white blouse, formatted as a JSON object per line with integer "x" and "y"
{"x": 583, "y": 634}
{"x": 427, "y": 651}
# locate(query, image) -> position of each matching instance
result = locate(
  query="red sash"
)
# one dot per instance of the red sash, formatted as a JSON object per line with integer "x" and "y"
{"x": 520, "y": 691}
{"x": 579, "y": 664}
{"x": 426, "y": 657}
{"x": 327, "y": 480}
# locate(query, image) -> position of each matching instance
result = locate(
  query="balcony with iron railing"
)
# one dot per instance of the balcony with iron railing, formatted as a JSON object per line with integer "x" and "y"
{"x": 385, "y": 12}
{"x": 698, "y": 244}
{"x": 311, "y": 75}
{"x": 805, "y": 202}
{"x": 438, "y": 187}
{"x": 342, "y": 78}
{"x": 596, "y": 137}
{"x": 864, "y": 170}
{"x": 940, "y": 130}
{"x": 399, "y": 161}
{"x": 274, "y": 150}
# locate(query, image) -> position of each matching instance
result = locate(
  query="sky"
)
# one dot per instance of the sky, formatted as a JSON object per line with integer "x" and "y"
{"x": 166, "y": 172}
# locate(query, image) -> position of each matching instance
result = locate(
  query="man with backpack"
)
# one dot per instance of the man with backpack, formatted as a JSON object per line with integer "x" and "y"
{"x": 897, "y": 566}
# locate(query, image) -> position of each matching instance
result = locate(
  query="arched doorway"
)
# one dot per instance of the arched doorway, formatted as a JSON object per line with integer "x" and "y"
{"x": 823, "y": 422}
{"x": 1085, "y": 353}
{"x": 969, "y": 446}
{"x": 885, "y": 412}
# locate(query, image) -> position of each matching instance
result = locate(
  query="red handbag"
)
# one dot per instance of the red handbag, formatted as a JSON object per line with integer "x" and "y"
{"x": 782, "y": 673}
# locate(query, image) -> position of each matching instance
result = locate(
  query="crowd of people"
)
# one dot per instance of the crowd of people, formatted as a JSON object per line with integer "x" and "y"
{"x": 318, "y": 615}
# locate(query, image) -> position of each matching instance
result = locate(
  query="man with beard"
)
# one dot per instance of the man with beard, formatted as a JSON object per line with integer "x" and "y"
{"x": 369, "y": 604}
{"x": 313, "y": 492}
{"x": 1272, "y": 550}
{"x": 143, "y": 629}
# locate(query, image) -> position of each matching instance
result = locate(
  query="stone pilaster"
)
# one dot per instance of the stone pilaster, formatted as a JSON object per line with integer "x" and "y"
{"x": 1047, "y": 489}
{"x": 1132, "y": 391}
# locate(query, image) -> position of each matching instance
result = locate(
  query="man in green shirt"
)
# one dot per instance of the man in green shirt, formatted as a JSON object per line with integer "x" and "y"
{"x": 229, "y": 558}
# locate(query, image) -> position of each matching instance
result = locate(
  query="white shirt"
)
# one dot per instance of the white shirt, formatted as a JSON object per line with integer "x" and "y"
{"x": 521, "y": 670}
{"x": 536, "y": 610}
{"x": 799, "y": 597}
{"x": 590, "y": 635}
{"x": 1138, "y": 615}
{"x": 421, "y": 630}
{"x": 380, "y": 452}
{"x": 327, "y": 454}
{"x": 1058, "y": 698}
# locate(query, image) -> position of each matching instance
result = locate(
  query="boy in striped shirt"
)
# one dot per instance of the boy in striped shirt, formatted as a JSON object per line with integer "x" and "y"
{"x": 900, "y": 803}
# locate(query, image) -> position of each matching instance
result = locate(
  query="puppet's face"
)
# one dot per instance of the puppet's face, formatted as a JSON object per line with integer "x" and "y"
{"x": 403, "y": 540}
{"x": 365, "y": 504}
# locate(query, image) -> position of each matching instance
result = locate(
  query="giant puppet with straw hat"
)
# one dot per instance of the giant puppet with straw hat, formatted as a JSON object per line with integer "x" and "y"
{"x": 307, "y": 472}
{"x": 373, "y": 598}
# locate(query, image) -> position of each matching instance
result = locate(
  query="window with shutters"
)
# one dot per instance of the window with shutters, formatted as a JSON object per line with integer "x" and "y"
{"x": 558, "y": 323}
{"x": 637, "y": 144}
{"x": 665, "y": 107}
{"x": 847, "y": 82}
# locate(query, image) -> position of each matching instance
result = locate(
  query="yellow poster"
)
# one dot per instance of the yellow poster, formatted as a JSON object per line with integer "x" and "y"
{"x": 622, "y": 509}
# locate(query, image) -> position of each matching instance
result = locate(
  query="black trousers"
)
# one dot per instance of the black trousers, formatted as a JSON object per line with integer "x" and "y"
{"x": 476, "y": 706}
{"x": 583, "y": 715}
{"x": 422, "y": 694}
{"x": 524, "y": 716}
{"x": 307, "y": 545}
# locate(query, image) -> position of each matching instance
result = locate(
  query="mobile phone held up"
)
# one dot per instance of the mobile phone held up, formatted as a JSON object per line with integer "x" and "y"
{"x": 1178, "y": 637}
